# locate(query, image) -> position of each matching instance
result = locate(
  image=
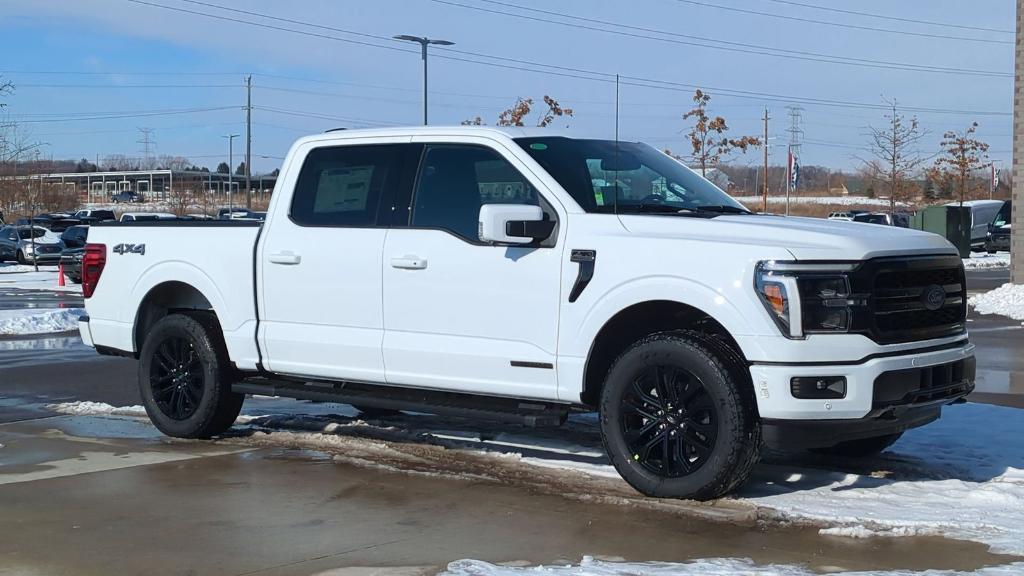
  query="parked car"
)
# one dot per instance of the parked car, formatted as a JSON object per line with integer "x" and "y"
{"x": 884, "y": 218}
{"x": 841, "y": 216}
{"x": 233, "y": 213}
{"x": 75, "y": 236}
{"x": 29, "y": 245}
{"x": 998, "y": 239}
{"x": 92, "y": 216}
{"x": 983, "y": 214}
{"x": 127, "y": 196}
{"x": 481, "y": 273}
{"x": 146, "y": 216}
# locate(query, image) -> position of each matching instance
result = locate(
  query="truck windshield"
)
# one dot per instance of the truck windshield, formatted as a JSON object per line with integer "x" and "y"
{"x": 626, "y": 177}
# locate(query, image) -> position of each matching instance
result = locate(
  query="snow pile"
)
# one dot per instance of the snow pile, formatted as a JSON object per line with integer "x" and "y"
{"x": 832, "y": 200}
{"x": 95, "y": 408}
{"x": 980, "y": 261}
{"x": 1007, "y": 300}
{"x": 705, "y": 567}
{"x": 35, "y": 321}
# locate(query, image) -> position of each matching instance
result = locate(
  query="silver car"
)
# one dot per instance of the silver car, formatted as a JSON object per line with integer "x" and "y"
{"x": 29, "y": 245}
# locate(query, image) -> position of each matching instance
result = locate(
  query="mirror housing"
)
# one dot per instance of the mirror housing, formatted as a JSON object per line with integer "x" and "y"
{"x": 513, "y": 224}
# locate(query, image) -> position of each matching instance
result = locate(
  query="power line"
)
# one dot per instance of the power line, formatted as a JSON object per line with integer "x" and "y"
{"x": 893, "y": 18}
{"x": 120, "y": 86}
{"x": 115, "y": 116}
{"x": 717, "y": 43}
{"x": 568, "y": 72}
{"x": 843, "y": 24}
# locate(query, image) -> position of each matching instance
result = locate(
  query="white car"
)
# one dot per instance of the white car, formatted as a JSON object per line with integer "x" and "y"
{"x": 146, "y": 216}
{"x": 848, "y": 217}
{"x": 521, "y": 275}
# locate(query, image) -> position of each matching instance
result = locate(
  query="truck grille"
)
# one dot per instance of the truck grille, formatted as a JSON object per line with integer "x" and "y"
{"x": 916, "y": 298}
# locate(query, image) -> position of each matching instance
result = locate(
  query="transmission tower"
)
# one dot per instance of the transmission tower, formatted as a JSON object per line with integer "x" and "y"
{"x": 147, "y": 146}
{"x": 796, "y": 131}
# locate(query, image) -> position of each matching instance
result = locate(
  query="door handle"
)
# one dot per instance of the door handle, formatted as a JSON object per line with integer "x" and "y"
{"x": 285, "y": 257}
{"x": 408, "y": 262}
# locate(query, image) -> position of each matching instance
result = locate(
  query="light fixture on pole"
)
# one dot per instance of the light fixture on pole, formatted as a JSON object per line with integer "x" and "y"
{"x": 231, "y": 160}
{"x": 423, "y": 41}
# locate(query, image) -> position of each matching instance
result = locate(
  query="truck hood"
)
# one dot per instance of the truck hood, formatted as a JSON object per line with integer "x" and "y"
{"x": 804, "y": 238}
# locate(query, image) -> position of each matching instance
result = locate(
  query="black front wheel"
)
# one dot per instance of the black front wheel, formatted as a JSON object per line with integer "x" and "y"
{"x": 185, "y": 378}
{"x": 678, "y": 419}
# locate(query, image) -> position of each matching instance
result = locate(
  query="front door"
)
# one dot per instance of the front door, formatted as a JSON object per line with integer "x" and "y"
{"x": 460, "y": 314}
{"x": 320, "y": 262}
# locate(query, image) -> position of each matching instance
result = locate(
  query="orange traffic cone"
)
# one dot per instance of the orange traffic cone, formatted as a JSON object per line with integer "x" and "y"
{"x": 60, "y": 274}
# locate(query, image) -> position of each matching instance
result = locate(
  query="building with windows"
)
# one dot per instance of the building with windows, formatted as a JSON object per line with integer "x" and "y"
{"x": 152, "y": 184}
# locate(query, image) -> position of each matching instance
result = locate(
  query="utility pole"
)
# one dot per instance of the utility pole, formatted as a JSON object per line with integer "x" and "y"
{"x": 231, "y": 171}
{"x": 892, "y": 175}
{"x": 424, "y": 42}
{"x": 248, "y": 141}
{"x": 765, "y": 144}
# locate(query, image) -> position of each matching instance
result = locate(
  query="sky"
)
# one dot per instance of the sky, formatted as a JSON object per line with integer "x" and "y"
{"x": 89, "y": 73}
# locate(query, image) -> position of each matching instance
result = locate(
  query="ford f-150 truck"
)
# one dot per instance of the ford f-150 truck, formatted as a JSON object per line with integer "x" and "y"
{"x": 521, "y": 276}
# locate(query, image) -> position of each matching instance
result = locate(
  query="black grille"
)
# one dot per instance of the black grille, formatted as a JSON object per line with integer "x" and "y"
{"x": 899, "y": 308}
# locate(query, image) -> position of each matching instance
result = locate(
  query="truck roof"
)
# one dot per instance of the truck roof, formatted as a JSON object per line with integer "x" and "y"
{"x": 501, "y": 131}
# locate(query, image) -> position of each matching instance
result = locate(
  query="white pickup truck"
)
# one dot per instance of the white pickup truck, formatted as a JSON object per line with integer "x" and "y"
{"x": 521, "y": 275}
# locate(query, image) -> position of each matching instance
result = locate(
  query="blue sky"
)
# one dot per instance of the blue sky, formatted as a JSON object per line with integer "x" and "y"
{"x": 82, "y": 57}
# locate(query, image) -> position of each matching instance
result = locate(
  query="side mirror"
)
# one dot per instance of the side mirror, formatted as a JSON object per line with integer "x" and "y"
{"x": 513, "y": 224}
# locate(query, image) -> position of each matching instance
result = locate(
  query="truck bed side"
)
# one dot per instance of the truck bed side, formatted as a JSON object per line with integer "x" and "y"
{"x": 153, "y": 267}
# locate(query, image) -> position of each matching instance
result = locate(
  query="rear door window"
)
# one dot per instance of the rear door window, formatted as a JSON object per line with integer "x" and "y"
{"x": 347, "y": 185}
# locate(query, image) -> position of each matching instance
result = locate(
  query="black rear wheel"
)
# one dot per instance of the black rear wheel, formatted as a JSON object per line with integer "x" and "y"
{"x": 678, "y": 417}
{"x": 185, "y": 378}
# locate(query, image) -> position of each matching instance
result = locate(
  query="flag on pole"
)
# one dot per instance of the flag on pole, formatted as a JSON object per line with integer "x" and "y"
{"x": 995, "y": 178}
{"x": 794, "y": 171}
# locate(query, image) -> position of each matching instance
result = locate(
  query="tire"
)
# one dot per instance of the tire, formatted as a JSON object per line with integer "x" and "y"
{"x": 185, "y": 377}
{"x": 711, "y": 433}
{"x": 21, "y": 258}
{"x": 860, "y": 448}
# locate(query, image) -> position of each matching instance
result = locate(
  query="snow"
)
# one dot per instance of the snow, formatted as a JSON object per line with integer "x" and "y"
{"x": 26, "y": 278}
{"x": 978, "y": 261}
{"x": 937, "y": 480}
{"x": 704, "y": 567}
{"x": 1007, "y": 300}
{"x": 832, "y": 200}
{"x": 38, "y": 321}
{"x": 84, "y": 408}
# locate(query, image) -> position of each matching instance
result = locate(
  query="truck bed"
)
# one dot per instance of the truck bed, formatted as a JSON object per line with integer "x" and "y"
{"x": 145, "y": 259}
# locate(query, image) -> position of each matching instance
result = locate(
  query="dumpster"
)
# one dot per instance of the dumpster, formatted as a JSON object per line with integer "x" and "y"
{"x": 951, "y": 222}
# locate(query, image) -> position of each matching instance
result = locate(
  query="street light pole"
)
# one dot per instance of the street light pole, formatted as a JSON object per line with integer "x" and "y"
{"x": 423, "y": 41}
{"x": 231, "y": 160}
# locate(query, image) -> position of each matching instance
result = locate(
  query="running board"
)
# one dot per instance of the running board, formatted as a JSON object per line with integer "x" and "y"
{"x": 528, "y": 413}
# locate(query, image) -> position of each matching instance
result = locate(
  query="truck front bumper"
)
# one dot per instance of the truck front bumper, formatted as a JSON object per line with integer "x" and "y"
{"x": 876, "y": 386}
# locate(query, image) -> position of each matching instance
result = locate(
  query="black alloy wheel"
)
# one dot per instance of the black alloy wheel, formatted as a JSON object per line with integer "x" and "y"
{"x": 669, "y": 421}
{"x": 176, "y": 378}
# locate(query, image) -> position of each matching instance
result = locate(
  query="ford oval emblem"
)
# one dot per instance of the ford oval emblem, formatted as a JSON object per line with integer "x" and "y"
{"x": 933, "y": 297}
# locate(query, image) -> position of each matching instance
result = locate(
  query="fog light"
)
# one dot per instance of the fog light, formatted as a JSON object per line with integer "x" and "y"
{"x": 818, "y": 387}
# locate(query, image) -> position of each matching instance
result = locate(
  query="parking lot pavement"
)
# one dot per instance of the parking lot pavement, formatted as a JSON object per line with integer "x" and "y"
{"x": 102, "y": 495}
{"x": 984, "y": 279}
{"x": 22, "y": 299}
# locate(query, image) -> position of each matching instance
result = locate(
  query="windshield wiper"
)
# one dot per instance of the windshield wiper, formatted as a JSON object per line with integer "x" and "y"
{"x": 722, "y": 209}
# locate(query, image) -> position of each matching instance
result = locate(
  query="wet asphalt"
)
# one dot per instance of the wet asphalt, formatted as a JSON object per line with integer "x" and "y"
{"x": 102, "y": 495}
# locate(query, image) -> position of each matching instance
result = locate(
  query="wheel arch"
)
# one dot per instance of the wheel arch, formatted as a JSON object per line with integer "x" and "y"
{"x": 166, "y": 298}
{"x": 639, "y": 320}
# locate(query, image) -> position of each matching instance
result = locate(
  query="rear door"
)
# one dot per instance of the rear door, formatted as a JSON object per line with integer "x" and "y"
{"x": 320, "y": 261}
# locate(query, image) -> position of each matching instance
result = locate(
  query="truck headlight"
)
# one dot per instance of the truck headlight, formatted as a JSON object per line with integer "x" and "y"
{"x": 808, "y": 298}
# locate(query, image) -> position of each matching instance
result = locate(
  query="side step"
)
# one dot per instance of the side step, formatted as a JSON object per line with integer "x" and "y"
{"x": 529, "y": 413}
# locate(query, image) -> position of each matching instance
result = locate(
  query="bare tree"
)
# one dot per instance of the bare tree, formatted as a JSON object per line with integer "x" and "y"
{"x": 707, "y": 136}
{"x": 517, "y": 114}
{"x": 895, "y": 154}
{"x": 962, "y": 155}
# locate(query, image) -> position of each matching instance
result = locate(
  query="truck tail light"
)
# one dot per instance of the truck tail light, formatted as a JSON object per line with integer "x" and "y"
{"x": 93, "y": 261}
